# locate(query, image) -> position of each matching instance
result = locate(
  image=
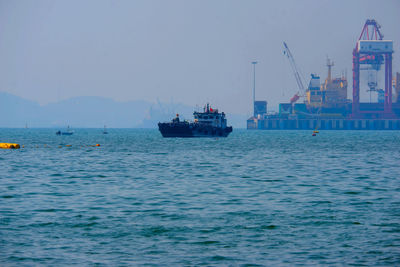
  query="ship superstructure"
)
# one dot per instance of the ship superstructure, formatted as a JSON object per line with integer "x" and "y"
{"x": 210, "y": 117}
{"x": 332, "y": 93}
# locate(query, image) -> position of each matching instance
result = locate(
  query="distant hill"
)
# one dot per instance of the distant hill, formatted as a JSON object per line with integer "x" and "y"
{"x": 93, "y": 112}
{"x": 77, "y": 112}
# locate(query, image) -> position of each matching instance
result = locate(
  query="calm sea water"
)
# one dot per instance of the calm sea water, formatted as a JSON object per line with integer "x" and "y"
{"x": 255, "y": 198}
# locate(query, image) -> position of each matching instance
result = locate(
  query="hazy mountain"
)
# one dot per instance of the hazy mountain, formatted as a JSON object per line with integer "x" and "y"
{"x": 93, "y": 112}
{"x": 77, "y": 112}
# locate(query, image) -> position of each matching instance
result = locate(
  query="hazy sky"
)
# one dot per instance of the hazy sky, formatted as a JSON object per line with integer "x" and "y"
{"x": 182, "y": 51}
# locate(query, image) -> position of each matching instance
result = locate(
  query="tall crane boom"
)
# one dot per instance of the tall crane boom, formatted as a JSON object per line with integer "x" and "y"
{"x": 296, "y": 74}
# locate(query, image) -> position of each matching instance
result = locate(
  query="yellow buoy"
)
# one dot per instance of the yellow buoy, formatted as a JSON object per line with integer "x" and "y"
{"x": 9, "y": 146}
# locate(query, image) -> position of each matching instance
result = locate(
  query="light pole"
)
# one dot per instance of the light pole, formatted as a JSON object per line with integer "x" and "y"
{"x": 254, "y": 87}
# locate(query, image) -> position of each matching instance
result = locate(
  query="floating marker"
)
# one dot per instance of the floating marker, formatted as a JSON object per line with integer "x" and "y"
{"x": 17, "y": 146}
{"x": 9, "y": 146}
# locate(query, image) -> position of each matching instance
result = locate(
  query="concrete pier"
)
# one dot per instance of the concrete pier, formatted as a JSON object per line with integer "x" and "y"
{"x": 323, "y": 124}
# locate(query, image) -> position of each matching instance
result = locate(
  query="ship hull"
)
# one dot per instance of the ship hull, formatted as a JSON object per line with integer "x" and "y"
{"x": 168, "y": 129}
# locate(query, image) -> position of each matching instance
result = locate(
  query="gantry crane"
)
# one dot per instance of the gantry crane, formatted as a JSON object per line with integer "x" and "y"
{"x": 296, "y": 73}
{"x": 372, "y": 50}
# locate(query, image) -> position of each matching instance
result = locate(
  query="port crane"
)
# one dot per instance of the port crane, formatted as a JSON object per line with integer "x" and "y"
{"x": 372, "y": 51}
{"x": 299, "y": 81}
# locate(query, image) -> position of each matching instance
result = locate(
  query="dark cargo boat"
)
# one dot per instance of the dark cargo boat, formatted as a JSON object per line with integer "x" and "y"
{"x": 209, "y": 123}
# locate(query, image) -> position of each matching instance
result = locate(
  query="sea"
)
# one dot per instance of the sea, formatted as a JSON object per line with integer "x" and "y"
{"x": 255, "y": 198}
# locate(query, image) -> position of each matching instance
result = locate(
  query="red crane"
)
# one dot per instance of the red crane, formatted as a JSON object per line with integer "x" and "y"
{"x": 372, "y": 50}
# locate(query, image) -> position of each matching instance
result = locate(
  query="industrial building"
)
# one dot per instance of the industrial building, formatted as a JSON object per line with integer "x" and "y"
{"x": 325, "y": 104}
{"x": 260, "y": 109}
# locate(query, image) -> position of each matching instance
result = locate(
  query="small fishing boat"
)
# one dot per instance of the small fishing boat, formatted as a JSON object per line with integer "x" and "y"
{"x": 68, "y": 132}
{"x": 105, "y": 130}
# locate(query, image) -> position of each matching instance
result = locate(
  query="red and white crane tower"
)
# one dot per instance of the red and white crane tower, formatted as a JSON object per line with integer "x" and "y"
{"x": 372, "y": 50}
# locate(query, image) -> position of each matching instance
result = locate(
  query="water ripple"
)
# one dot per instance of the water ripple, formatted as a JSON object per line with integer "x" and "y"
{"x": 257, "y": 198}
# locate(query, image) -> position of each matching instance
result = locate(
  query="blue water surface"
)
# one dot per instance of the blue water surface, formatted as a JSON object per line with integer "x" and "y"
{"x": 256, "y": 198}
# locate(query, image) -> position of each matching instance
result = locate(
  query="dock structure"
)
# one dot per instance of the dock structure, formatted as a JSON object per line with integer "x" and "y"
{"x": 326, "y": 106}
{"x": 322, "y": 124}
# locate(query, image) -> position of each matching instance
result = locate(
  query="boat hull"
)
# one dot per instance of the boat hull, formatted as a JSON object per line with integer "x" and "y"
{"x": 64, "y": 133}
{"x": 168, "y": 129}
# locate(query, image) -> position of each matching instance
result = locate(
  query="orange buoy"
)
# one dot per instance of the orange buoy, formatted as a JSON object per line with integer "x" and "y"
{"x": 9, "y": 146}
{"x": 97, "y": 144}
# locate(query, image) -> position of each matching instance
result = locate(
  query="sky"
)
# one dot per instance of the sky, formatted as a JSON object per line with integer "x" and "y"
{"x": 180, "y": 51}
